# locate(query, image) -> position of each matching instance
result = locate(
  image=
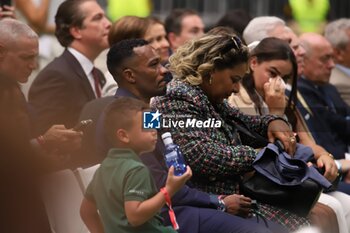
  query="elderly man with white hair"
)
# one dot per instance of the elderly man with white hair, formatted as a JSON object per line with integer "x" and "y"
{"x": 262, "y": 27}
{"x": 338, "y": 34}
{"x": 270, "y": 26}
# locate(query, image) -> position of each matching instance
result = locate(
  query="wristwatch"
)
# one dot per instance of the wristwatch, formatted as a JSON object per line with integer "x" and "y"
{"x": 338, "y": 163}
{"x": 221, "y": 206}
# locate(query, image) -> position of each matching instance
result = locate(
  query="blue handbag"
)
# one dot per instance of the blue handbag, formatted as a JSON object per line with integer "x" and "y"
{"x": 283, "y": 181}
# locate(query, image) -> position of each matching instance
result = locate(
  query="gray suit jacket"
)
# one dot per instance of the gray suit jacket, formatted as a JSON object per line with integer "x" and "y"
{"x": 59, "y": 93}
{"x": 342, "y": 82}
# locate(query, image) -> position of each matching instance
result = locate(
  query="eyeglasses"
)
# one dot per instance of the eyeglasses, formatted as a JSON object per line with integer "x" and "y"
{"x": 234, "y": 42}
{"x": 237, "y": 42}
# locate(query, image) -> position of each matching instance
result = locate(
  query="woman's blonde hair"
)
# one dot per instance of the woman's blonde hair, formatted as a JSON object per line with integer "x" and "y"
{"x": 196, "y": 59}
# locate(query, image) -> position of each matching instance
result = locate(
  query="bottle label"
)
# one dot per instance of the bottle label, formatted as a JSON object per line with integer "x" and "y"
{"x": 172, "y": 155}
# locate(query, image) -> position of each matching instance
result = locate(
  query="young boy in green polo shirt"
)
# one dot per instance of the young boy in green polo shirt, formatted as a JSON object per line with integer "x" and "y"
{"x": 122, "y": 189}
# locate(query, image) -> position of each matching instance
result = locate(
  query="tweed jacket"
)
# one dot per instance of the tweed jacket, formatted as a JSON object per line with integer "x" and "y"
{"x": 217, "y": 156}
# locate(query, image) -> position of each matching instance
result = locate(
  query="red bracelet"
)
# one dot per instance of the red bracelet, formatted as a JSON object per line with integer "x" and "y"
{"x": 40, "y": 140}
{"x": 171, "y": 211}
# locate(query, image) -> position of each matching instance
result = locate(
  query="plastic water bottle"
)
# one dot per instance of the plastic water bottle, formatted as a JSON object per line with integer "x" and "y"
{"x": 173, "y": 155}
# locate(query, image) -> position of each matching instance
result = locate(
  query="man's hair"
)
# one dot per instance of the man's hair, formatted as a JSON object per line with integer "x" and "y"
{"x": 119, "y": 115}
{"x": 236, "y": 19}
{"x": 119, "y": 53}
{"x": 11, "y": 30}
{"x": 173, "y": 22}
{"x": 195, "y": 60}
{"x": 68, "y": 15}
{"x": 337, "y": 33}
{"x": 259, "y": 28}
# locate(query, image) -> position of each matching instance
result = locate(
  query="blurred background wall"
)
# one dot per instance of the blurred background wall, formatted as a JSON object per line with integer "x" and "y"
{"x": 212, "y": 10}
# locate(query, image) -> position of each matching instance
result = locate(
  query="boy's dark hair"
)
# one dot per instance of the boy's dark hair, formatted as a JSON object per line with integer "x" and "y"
{"x": 119, "y": 115}
{"x": 68, "y": 15}
{"x": 120, "y": 52}
{"x": 173, "y": 22}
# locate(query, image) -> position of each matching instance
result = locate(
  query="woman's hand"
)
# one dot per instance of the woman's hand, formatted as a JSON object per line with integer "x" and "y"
{"x": 279, "y": 129}
{"x": 327, "y": 162}
{"x": 274, "y": 96}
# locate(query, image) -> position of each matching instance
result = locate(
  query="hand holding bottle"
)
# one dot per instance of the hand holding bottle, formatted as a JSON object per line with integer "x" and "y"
{"x": 174, "y": 183}
{"x": 173, "y": 156}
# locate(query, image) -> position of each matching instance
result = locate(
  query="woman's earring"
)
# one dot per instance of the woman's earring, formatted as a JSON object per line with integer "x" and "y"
{"x": 210, "y": 79}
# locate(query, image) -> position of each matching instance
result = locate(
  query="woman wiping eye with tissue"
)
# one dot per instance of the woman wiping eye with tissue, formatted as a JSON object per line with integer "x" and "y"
{"x": 272, "y": 64}
{"x": 273, "y": 69}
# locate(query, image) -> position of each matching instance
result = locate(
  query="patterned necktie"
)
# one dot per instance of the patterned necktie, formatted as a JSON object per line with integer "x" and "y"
{"x": 97, "y": 82}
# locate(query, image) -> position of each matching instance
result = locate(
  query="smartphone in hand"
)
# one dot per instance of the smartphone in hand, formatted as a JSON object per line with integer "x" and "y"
{"x": 81, "y": 126}
{"x": 5, "y": 3}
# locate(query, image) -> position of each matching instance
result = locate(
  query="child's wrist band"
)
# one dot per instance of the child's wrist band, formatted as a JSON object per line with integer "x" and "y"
{"x": 171, "y": 211}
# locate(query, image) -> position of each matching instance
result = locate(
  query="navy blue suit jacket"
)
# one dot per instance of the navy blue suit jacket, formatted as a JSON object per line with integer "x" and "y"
{"x": 329, "y": 118}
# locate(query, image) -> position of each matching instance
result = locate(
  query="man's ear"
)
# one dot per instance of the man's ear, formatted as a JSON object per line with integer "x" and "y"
{"x": 129, "y": 76}
{"x": 172, "y": 39}
{"x": 338, "y": 55}
{"x": 122, "y": 135}
{"x": 75, "y": 32}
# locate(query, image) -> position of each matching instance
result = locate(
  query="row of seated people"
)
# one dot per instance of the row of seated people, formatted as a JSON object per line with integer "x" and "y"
{"x": 121, "y": 91}
{"x": 56, "y": 143}
{"x": 154, "y": 160}
{"x": 215, "y": 95}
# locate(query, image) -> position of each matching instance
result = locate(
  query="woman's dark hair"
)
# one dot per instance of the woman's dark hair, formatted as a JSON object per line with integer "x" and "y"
{"x": 274, "y": 49}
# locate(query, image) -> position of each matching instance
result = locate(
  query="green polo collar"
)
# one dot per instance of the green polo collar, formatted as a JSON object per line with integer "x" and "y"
{"x": 117, "y": 153}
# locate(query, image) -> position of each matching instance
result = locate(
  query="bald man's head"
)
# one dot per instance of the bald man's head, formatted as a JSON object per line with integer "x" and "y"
{"x": 18, "y": 50}
{"x": 312, "y": 40}
{"x": 11, "y": 30}
{"x": 318, "y": 58}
